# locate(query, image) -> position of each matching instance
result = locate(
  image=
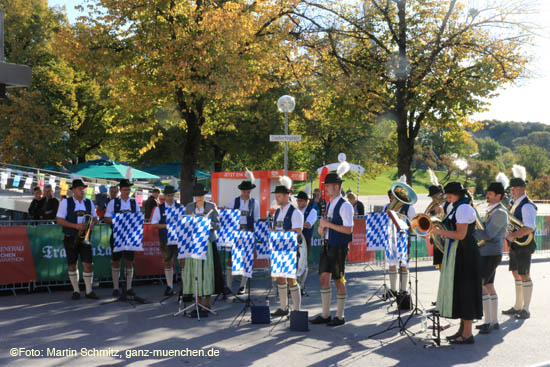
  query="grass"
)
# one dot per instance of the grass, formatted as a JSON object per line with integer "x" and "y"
{"x": 381, "y": 184}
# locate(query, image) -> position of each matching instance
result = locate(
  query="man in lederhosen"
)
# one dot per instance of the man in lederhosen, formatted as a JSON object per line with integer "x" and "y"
{"x": 336, "y": 231}
{"x": 70, "y": 215}
{"x": 250, "y": 214}
{"x": 520, "y": 256}
{"x": 493, "y": 236}
{"x": 169, "y": 249}
{"x": 287, "y": 218}
{"x": 310, "y": 217}
{"x": 407, "y": 212}
{"x": 122, "y": 204}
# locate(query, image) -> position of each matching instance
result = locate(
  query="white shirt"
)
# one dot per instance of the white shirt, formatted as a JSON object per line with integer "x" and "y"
{"x": 244, "y": 207}
{"x": 346, "y": 212}
{"x": 410, "y": 213}
{"x": 297, "y": 218}
{"x": 124, "y": 205}
{"x": 78, "y": 205}
{"x": 156, "y": 214}
{"x": 465, "y": 214}
{"x": 311, "y": 218}
{"x": 528, "y": 212}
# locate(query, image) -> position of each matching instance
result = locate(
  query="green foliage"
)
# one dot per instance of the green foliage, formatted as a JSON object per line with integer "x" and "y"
{"x": 536, "y": 160}
{"x": 539, "y": 189}
{"x": 488, "y": 149}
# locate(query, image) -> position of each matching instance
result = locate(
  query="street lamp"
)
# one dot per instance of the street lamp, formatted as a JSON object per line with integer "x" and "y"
{"x": 286, "y": 104}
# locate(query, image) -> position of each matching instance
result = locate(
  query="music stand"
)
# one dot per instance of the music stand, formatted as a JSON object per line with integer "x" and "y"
{"x": 247, "y": 303}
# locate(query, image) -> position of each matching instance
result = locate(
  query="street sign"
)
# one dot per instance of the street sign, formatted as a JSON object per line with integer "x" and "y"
{"x": 285, "y": 137}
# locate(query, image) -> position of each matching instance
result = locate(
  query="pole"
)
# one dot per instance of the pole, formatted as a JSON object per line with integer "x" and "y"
{"x": 1, "y": 35}
{"x": 286, "y": 144}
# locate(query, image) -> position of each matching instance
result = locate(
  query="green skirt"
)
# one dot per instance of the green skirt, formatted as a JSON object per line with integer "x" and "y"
{"x": 445, "y": 291}
{"x": 205, "y": 275}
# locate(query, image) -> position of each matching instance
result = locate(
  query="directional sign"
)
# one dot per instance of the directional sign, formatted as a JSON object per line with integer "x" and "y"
{"x": 285, "y": 137}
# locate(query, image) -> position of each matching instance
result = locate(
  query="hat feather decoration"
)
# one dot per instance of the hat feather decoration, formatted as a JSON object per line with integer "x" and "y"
{"x": 403, "y": 179}
{"x": 174, "y": 183}
{"x": 286, "y": 182}
{"x": 433, "y": 177}
{"x": 249, "y": 175}
{"x": 129, "y": 173}
{"x": 342, "y": 169}
{"x": 519, "y": 172}
{"x": 75, "y": 177}
{"x": 503, "y": 179}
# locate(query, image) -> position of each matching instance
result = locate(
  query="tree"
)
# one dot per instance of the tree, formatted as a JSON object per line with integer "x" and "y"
{"x": 427, "y": 63}
{"x": 489, "y": 149}
{"x": 202, "y": 57}
{"x": 538, "y": 138}
{"x": 536, "y": 160}
{"x": 539, "y": 188}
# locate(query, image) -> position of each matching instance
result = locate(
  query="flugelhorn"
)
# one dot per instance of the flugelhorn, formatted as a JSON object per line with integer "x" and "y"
{"x": 85, "y": 235}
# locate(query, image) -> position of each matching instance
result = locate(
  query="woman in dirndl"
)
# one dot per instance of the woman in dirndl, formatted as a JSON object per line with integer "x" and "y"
{"x": 459, "y": 294}
{"x": 205, "y": 285}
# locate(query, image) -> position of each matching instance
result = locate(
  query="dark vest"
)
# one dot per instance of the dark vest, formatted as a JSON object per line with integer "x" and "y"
{"x": 72, "y": 214}
{"x": 287, "y": 222}
{"x": 308, "y": 232}
{"x": 250, "y": 216}
{"x": 336, "y": 238}
{"x": 163, "y": 233}
{"x": 404, "y": 210}
{"x": 118, "y": 203}
{"x": 517, "y": 213}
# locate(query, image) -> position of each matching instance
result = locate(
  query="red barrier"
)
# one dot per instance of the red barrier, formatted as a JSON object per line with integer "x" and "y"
{"x": 17, "y": 265}
{"x": 358, "y": 246}
{"x": 149, "y": 261}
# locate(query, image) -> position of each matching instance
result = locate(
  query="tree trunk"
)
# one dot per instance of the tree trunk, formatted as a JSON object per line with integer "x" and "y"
{"x": 219, "y": 155}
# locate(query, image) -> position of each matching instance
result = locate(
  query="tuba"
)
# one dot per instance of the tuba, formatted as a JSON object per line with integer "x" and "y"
{"x": 514, "y": 224}
{"x": 402, "y": 194}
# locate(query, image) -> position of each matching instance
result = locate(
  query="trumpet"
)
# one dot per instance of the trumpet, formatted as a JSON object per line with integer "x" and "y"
{"x": 85, "y": 235}
{"x": 422, "y": 224}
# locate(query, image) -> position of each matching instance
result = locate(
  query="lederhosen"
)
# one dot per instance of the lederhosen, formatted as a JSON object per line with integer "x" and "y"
{"x": 128, "y": 255}
{"x": 249, "y": 214}
{"x": 169, "y": 252}
{"x": 438, "y": 255}
{"x": 467, "y": 303}
{"x": 520, "y": 256}
{"x": 335, "y": 249}
{"x": 72, "y": 241}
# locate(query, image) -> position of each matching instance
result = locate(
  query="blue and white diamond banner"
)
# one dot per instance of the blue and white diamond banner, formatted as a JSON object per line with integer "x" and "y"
{"x": 194, "y": 245}
{"x": 173, "y": 219}
{"x": 229, "y": 223}
{"x": 128, "y": 232}
{"x": 261, "y": 232}
{"x": 284, "y": 247}
{"x": 242, "y": 256}
{"x": 377, "y": 225}
{"x": 402, "y": 247}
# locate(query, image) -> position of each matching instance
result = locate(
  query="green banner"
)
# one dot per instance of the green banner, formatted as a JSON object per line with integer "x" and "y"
{"x": 50, "y": 259}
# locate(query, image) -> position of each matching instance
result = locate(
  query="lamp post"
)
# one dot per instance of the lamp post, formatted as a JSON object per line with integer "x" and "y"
{"x": 286, "y": 104}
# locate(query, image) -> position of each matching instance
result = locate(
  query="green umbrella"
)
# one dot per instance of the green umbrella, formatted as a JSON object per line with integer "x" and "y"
{"x": 110, "y": 170}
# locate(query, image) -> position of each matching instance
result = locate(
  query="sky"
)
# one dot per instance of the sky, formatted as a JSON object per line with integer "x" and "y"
{"x": 525, "y": 101}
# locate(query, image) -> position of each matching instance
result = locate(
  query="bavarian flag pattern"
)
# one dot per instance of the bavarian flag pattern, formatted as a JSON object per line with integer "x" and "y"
{"x": 195, "y": 245}
{"x": 173, "y": 219}
{"x": 377, "y": 225}
{"x": 128, "y": 232}
{"x": 242, "y": 256}
{"x": 261, "y": 232}
{"x": 284, "y": 246}
{"x": 229, "y": 224}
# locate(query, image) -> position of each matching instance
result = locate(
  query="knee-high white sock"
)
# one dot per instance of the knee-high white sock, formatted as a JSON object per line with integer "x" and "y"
{"x": 228, "y": 276}
{"x": 519, "y": 295}
{"x": 73, "y": 277}
{"x": 325, "y": 301}
{"x": 403, "y": 280}
{"x": 116, "y": 277}
{"x": 487, "y": 311}
{"x": 340, "y": 301}
{"x": 88, "y": 278}
{"x": 169, "y": 273}
{"x": 283, "y": 296}
{"x": 296, "y": 297}
{"x": 527, "y": 292}
{"x": 129, "y": 277}
{"x": 494, "y": 309}
{"x": 243, "y": 281}
{"x": 393, "y": 280}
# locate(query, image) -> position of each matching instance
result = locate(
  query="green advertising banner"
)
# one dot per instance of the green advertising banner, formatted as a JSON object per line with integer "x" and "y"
{"x": 50, "y": 259}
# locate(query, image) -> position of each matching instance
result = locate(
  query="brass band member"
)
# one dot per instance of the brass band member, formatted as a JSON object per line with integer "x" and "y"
{"x": 336, "y": 231}
{"x": 440, "y": 211}
{"x": 70, "y": 216}
{"x": 287, "y": 218}
{"x": 495, "y": 224}
{"x": 459, "y": 294}
{"x": 520, "y": 256}
{"x": 310, "y": 217}
{"x": 122, "y": 204}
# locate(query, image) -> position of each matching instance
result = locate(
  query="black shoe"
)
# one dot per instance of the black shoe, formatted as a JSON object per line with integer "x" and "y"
{"x": 482, "y": 326}
{"x": 226, "y": 291}
{"x": 469, "y": 340}
{"x": 485, "y": 328}
{"x": 495, "y": 326}
{"x": 240, "y": 291}
{"x": 336, "y": 322}
{"x": 279, "y": 313}
{"x": 510, "y": 311}
{"x": 130, "y": 292}
{"x": 92, "y": 295}
{"x": 116, "y": 293}
{"x": 390, "y": 294}
{"x": 523, "y": 315}
{"x": 169, "y": 291}
{"x": 75, "y": 296}
{"x": 454, "y": 336}
{"x": 320, "y": 320}
{"x": 434, "y": 303}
